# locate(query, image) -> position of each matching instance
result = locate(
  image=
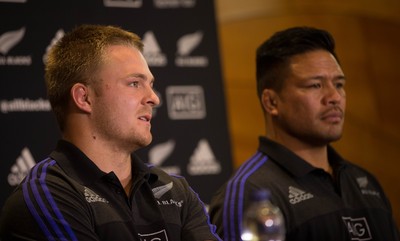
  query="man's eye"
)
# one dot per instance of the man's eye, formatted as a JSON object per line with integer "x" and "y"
{"x": 134, "y": 84}
{"x": 339, "y": 85}
{"x": 315, "y": 86}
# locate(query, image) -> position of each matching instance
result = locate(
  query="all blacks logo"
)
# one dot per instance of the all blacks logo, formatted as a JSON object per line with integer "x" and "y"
{"x": 156, "y": 236}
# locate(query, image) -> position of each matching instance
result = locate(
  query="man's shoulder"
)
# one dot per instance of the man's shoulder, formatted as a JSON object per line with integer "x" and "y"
{"x": 355, "y": 168}
{"x": 46, "y": 178}
{"x": 260, "y": 165}
{"x": 42, "y": 170}
{"x": 358, "y": 172}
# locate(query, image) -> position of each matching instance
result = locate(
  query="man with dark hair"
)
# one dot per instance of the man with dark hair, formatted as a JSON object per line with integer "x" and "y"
{"x": 322, "y": 196}
{"x": 92, "y": 186}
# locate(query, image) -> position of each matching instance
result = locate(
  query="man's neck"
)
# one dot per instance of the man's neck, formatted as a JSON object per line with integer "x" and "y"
{"x": 315, "y": 155}
{"x": 106, "y": 157}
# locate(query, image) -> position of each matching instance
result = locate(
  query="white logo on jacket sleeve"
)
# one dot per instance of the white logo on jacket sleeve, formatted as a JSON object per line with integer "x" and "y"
{"x": 364, "y": 187}
{"x": 158, "y": 192}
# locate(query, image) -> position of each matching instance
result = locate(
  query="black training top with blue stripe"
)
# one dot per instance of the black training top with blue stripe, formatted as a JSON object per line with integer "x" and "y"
{"x": 316, "y": 207}
{"x": 66, "y": 197}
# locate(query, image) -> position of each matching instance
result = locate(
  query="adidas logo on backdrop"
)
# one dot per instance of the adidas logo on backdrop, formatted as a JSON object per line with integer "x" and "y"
{"x": 203, "y": 161}
{"x": 21, "y": 167}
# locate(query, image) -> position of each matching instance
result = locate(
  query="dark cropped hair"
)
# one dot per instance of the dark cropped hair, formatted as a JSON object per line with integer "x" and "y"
{"x": 273, "y": 55}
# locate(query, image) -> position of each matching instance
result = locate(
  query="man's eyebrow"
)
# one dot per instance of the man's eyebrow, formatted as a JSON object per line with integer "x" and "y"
{"x": 142, "y": 76}
{"x": 136, "y": 75}
{"x": 322, "y": 77}
{"x": 341, "y": 77}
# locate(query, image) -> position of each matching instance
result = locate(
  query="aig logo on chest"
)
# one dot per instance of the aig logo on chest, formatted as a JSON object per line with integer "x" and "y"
{"x": 358, "y": 228}
{"x": 156, "y": 236}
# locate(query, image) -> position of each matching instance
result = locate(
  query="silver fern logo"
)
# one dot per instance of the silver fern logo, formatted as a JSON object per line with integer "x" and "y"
{"x": 159, "y": 153}
{"x": 365, "y": 188}
{"x": 8, "y": 41}
{"x": 185, "y": 46}
{"x": 158, "y": 192}
{"x": 362, "y": 182}
{"x": 188, "y": 43}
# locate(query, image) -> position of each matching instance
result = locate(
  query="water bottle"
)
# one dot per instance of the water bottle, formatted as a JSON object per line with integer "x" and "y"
{"x": 262, "y": 221}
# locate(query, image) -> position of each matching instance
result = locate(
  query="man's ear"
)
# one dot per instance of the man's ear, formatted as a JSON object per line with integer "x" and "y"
{"x": 80, "y": 97}
{"x": 269, "y": 101}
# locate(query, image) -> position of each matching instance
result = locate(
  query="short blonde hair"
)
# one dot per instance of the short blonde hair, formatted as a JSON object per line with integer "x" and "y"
{"x": 76, "y": 57}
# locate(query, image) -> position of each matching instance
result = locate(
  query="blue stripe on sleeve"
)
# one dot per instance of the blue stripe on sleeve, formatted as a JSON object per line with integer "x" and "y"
{"x": 53, "y": 204}
{"x": 32, "y": 208}
{"x": 212, "y": 226}
{"x": 238, "y": 182}
{"x": 30, "y": 185}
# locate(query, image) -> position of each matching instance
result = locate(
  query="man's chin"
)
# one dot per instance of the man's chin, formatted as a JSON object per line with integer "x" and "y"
{"x": 147, "y": 141}
{"x": 138, "y": 144}
{"x": 332, "y": 138}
